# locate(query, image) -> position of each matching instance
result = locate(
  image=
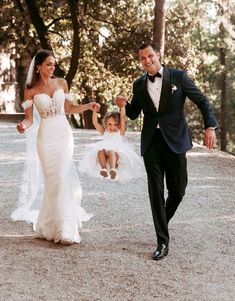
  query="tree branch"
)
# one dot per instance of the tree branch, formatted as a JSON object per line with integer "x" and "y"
{"x": 20, "y": 7}
{"x": 73, "y": 5}
{"x": 56, "y": 20}
{"x": 38, "y": 23}
{"x": 114, "y": 24}
{"x": 41, "y": 30}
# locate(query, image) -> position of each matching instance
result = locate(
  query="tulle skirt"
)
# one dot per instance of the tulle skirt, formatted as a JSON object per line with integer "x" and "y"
{"x": 130, "y": 164}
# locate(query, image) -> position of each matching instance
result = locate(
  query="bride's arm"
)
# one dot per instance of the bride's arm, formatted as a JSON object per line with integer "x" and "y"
{"x": 28, "y": 109}
{"x": 71, "y": 108}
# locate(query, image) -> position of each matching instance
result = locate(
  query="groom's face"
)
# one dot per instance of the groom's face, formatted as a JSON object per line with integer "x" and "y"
{"x": 150, "y": 60}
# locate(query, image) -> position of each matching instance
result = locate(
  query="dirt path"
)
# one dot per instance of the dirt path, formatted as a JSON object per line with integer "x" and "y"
{"x": 113, "y": 261}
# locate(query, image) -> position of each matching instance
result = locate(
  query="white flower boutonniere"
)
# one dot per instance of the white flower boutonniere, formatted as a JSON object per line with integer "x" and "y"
{"x": 173, "y": 88}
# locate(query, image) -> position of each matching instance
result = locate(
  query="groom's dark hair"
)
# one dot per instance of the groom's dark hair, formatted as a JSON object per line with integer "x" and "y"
{"x": 149, "y": 44}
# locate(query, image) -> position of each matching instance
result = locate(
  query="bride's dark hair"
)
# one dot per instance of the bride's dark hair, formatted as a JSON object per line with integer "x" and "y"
{"x": 39, "y": 58}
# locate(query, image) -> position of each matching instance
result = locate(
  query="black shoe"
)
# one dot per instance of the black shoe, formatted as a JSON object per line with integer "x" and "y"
{"x": 161, "y": 252}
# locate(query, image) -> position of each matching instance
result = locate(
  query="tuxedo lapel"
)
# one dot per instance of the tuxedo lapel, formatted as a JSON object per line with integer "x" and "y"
{"x": 165, "y": 90}
{"x": 146, "y": 96}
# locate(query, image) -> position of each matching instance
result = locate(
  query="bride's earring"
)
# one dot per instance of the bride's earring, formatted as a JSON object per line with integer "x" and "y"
{"x": 37, "y": 71}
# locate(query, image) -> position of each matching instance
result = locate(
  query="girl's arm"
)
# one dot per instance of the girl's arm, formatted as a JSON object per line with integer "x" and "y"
{"x": 28, "y": 120}
{"x": 122, "y": 120}
{"x": 96, "y": 124}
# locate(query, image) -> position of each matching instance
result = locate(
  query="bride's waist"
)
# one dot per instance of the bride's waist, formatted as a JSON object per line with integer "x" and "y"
{"x": 56, "y": 123}
{"x": 53, "y": 118}
{"x": 51, "y": 111}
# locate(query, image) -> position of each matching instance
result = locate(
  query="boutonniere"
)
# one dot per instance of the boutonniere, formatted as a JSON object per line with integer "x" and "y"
{"x": 173, "y": 88}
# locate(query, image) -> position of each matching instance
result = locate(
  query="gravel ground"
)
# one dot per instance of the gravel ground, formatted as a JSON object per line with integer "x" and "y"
{"x": 113, "y": 261}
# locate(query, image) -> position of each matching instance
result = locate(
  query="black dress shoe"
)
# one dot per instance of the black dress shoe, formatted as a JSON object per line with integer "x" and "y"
{"x": 161, "y": 252}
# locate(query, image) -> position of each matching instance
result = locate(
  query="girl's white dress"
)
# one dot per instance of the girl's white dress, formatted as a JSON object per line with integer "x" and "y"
{"x": 130, "y": 164}
{"x": 58, "y": 214}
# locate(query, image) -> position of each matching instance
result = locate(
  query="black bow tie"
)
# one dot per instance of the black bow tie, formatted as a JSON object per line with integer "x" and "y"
{"x": 152, "y": 77}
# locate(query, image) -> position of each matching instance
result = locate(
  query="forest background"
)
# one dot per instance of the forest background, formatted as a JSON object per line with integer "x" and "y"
{"x": 95, "y": 43}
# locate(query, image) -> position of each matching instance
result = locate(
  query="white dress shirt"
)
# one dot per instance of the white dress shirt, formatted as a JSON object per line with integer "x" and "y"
{"x": 155, "y": 88}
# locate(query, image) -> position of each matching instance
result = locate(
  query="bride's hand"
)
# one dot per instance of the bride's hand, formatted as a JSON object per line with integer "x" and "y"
{"x": 95, "y": 106}
{"x": 20, "y": 127}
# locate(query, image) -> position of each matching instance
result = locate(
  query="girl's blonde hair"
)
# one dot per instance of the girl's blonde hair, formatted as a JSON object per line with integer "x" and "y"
{"x": 114, "y": 115}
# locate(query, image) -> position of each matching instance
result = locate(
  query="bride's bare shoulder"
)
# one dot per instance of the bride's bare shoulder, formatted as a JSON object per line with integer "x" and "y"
{"x": 61, "y": 82}
{"x": 29, "y": 93}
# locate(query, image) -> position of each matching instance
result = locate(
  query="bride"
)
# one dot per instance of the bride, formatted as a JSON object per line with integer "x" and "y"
{"x": 60, "y": 215}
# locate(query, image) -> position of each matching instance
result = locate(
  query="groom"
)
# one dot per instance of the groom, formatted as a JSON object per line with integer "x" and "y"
{"x": 160, "y": 94}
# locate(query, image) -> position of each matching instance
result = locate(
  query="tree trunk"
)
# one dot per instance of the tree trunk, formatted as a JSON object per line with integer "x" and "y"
{"x": 22, "y": 65}
{"x": 73, "y": 4}
{"x": 38, "y": 24}
{"x": 201, "y": 49}
{"x": 223, "y": 83}
{"x": 159, "y": 25}
{"x": 41, "y": 30}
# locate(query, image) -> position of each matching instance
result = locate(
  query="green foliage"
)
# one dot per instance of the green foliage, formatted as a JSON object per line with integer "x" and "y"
{"x": 111, "y": 31}
{"x": 111, "y": 34}
{"x": 192, "y": 43}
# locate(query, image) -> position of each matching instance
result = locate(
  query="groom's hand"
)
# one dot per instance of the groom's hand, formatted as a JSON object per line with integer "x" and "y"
{"x": 210, "y": 138}
{"x": 120, "y": 101}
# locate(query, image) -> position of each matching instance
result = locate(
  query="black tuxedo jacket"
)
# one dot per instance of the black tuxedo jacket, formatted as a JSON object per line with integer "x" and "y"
{"x": 176, "y": 86}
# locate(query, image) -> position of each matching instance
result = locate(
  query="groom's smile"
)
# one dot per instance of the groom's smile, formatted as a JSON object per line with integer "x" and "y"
{"x": 150, "y": 60}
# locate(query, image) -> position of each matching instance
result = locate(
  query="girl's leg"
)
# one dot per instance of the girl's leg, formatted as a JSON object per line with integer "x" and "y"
{"x": 112, "y": 159}
{"x": 102, "y": 158}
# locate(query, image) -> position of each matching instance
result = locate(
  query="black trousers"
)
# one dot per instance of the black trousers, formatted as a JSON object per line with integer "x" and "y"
{"x": 162, "y": 163}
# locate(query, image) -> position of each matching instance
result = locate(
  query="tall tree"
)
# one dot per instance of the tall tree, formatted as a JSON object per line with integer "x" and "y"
{"x": 159, "y": 25}
{"x": 74, "y": 12}
{"x": 42, "y": 30}
{"x": 223, "y": 75}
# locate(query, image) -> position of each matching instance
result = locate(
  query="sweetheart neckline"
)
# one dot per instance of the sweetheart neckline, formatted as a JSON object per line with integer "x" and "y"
{"x": 51, "y": 97}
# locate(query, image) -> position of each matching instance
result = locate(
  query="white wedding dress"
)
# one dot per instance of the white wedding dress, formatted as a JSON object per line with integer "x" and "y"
{"x": 59, "y": 216}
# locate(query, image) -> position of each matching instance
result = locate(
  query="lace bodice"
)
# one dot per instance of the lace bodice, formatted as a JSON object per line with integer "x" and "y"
{"x": 49, "y": 106}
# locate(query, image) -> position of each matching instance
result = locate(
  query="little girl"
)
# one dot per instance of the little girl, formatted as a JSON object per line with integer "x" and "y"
{"x": 112, "y": 157}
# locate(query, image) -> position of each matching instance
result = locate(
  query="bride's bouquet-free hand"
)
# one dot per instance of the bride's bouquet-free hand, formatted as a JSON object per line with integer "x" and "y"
{"x": 96, "y": 107}
{"x": 21, "y": 127}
